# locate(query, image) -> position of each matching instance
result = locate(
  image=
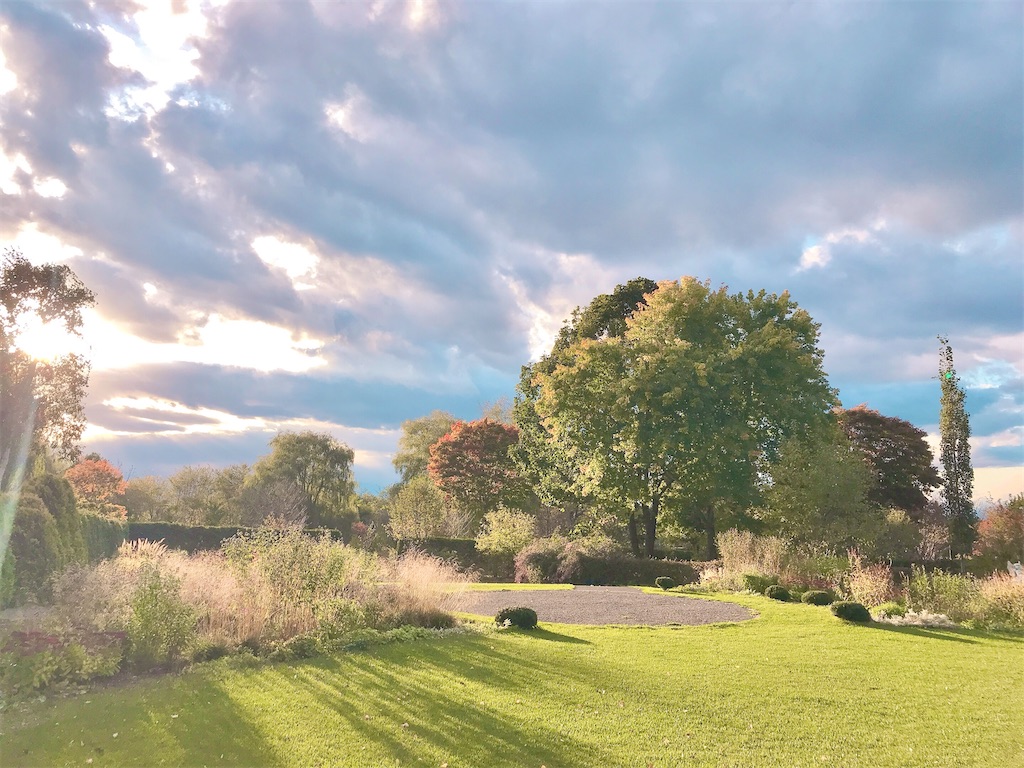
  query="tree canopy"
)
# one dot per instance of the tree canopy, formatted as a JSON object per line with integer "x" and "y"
{"x": 418, "y": 435}
{"x": 898, "y": 454}
{"x": 40, "y": 400}
{"x": 690, "y": 402}
{"x": 319, "y": 465}
{"x": 472, "y": 466}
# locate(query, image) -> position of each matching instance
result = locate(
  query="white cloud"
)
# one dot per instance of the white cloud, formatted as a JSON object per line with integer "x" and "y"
{"x": 41, "y": 248}
{"x": 820, "y": 254}
{"x": 50, "y": 187}
{"x": 217, "y": 340}
{"x": 9, "y": 166}
{"x": 295, "y": 260}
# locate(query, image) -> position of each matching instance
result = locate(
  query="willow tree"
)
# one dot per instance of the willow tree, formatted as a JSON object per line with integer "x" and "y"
{"x": 955, "y": 456}
{"x": 690, "y": 402}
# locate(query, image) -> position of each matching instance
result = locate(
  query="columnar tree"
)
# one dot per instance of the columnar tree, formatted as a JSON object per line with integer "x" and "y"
{"x": 955, "y": 456}
{"x": 690, "y": 402}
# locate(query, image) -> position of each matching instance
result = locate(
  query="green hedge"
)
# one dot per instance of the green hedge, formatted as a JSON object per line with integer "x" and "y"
{"x": 36, "y": 548}
{"x": 102, "y": 536}
{"x": 609, "y": 571}
{"x": 199, "y": 538}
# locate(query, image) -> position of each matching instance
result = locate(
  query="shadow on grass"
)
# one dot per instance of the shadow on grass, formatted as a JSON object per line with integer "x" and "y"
{"x": 546, "y": 634}
{"x": 956, "y": 634}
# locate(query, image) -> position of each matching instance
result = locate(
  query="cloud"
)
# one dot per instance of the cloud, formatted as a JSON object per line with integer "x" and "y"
{"x": 356, "y": 213}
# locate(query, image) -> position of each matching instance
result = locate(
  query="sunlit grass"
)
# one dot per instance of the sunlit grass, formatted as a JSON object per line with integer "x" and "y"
{"x": 793, "y": 687}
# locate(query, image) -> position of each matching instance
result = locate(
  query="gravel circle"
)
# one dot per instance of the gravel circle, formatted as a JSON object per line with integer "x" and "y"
{"x": 627, "y": 606}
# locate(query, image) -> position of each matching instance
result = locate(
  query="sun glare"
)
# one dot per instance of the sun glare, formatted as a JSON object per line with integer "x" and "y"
{"x": 46, "y": 341}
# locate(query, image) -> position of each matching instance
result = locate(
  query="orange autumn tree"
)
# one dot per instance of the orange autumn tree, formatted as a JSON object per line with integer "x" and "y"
{"x": 98, "y": 486}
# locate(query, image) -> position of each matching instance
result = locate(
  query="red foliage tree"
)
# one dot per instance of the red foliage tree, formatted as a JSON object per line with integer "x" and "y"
{"x": 1001, "y": 532}
{"x": 471, "y": 465}
{"x": 98, "y": 486}
{"x": 898, "y": 455}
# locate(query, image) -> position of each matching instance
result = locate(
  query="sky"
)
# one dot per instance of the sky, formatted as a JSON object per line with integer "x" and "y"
{"x": 339, "y": 216}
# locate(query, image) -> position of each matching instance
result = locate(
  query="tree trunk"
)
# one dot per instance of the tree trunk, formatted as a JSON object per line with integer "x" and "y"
{"x": 709, "y": 530}
{"x": 650, "y": 514}
{"x": 634, "y": 538}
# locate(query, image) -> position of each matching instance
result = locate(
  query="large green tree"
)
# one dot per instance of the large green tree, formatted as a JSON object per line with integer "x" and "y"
{"x": 820, "y": 490}
{"x": 955, "y": 456}
{"x": 898, "y": 454}
{"x": 320, "y": 466}
{"x": 418, "y": 435}
{"x": 690, "y": 402}
{"x": 40, "y": 400}
{"x": 542, "y": 460}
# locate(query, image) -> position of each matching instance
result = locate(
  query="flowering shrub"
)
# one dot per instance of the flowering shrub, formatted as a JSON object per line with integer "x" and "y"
{"x": 918, "y": 619}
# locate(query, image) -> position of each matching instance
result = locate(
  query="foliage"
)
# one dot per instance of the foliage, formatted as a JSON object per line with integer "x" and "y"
{"x": 506, "y": 531}
{"x": 819, "y": 490}
{"x": 161, "y": 625}
{"x": 34, "y": 661}
{"x": 664, "y": 582}
{"x": 1002, "y": 600}
{"x": 35, "y": 544}
{"x": 102, "y": 536}
{"x": 320, "y": 466}
{"x": 870, "y": 583}
{"x": 896, "y": 537}
{"x": 757, "y": 582}
{"x": 472, "y": 466}
{"x": 850, "y": 611}
{"x": 541, "y": 458}
{"x": 98, "y": 486}
{"x": 40, "y": 401}
{"x": 890, "y": 609}
{"x": 955, "y": 456}
{"x": 1001, "y": 533}
{"x": 413, "y": 454}
{"x": 147, "y": 499}
{"x": 951, "y": 594}
{"x": 524, "y": 618}
{"x": 777, "y": 592}
{"x": 899, "y": 457}
{"x": 689, "y": 402}
{"x": 59, "y": 499}
{"x": 420, "y": 511}
{"x": 817, "y": 597}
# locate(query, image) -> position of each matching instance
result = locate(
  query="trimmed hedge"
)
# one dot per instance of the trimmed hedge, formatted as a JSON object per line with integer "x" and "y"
{"x": 102, "y": 536}
{"x": 199, "y": 538}
{"x": 36, "y": 547}
{"x": 522, "y": 617}
{"x": 817, "y": 597}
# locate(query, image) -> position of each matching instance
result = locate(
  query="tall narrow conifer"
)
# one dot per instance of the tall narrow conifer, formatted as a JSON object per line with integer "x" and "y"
{"x": 955, "y": 456}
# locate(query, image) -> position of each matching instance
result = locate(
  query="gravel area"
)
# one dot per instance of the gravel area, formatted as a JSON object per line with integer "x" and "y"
{"x": 607, "y": 605}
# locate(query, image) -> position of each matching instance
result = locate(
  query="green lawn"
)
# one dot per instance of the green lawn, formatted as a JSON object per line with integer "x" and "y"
{"x": 794, "y": 687}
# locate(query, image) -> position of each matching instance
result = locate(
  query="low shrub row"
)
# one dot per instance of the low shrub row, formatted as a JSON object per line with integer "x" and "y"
{"x": 200, "y": 538}
{"x": 557, "y": 560}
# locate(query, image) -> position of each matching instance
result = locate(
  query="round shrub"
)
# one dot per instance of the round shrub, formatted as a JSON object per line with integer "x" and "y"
{"x": 850, "y": 611}
{"x": 524, "y": 618}
{"x": 665, "y": 582}
{"x": 755, "y": 582}
{"x": 888, "y": 610}
{"x": 817, "y": 597}
{"x": 777, "y": 592}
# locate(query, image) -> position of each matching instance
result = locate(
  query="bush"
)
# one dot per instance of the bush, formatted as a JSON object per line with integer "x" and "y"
{"x": 506, "y": 531}
{"x": 59, "y": 499}
{"x": 537, "y": 563}
{"x": 756, "y": 582}
{"x": 522, "y": 617}
{"x": 889, "y": 610}
{"x": 7, "y": 580}
{"x": 1002, "y": 601}
{"x": 777, "y": 592}
{"x": 850, "y": 611}
{"x": 665, "y": 582}
{"x": 161, "y": 624}
{"x": 35, "y": 543}
{"x": 956, "y": 596}
{"x": 817, "y": 597}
